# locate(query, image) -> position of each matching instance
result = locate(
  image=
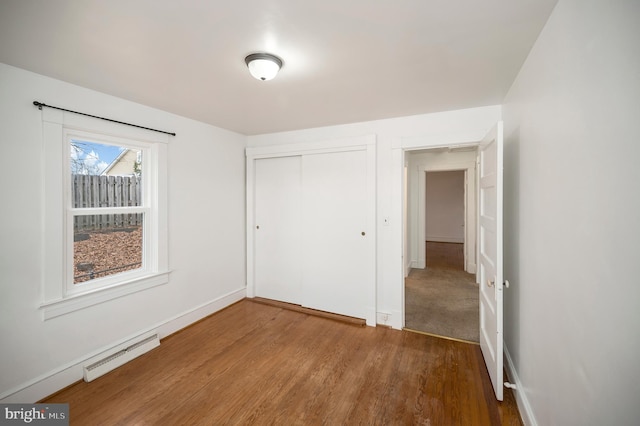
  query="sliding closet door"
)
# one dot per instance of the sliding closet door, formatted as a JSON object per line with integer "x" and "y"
{"x": 338, "y": 259}
{"x": 278, "y": 229}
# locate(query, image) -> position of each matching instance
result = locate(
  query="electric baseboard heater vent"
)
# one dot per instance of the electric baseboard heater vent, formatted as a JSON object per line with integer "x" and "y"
{"x": 119, "y": 356}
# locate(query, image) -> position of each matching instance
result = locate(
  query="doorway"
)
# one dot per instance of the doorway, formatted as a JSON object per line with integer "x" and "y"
{"x": 445, "y": 216}
{"x": 441, "y": 294}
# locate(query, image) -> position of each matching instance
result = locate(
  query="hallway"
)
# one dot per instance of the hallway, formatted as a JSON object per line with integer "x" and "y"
{"x": 443, "y": 299}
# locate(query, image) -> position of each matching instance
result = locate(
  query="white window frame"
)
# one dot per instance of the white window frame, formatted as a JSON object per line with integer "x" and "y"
{"x": 149, "y": 151}
{"x": 61, "y": 296}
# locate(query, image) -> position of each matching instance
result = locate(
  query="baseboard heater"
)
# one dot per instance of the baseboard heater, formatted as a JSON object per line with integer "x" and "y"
{"x": 120, "y": 355}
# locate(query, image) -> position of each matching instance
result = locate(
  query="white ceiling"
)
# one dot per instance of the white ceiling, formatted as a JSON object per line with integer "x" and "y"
{"x": 344, "y": 60}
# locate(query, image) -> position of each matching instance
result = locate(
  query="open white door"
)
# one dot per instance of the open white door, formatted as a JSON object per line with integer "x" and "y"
{"x": 490, "y": 254}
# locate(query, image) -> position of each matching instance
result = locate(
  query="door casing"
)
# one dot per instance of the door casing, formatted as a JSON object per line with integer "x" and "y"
{"x": 470, "y": 218}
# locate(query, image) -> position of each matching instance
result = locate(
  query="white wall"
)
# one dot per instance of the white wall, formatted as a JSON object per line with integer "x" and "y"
{"x": 206, "y": 237}
{"x": 444, "y": 221}
{"x": 572, "y": 213}
{"x": 393, "y": 136}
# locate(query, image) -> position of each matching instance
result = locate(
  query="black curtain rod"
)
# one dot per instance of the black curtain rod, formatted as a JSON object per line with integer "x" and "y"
{"x": 40, "y": 105}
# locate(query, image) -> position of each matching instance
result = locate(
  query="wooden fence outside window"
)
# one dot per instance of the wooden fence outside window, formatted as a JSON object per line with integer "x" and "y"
{"x": 92, "y": 191}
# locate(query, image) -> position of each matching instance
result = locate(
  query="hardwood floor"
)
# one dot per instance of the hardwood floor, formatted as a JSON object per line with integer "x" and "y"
{"x": 257, "y": 364}
{"x": 445, "y": 255}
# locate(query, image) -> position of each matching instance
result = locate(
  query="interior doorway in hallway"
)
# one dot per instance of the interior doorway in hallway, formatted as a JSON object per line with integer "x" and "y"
{"x": 441, "y": 294}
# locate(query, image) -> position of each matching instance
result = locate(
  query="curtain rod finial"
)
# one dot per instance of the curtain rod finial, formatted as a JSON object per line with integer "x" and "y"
{"x": 38, "y": 104}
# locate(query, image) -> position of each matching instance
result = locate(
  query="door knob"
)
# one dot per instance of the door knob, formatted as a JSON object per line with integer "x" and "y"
{"x": 362, "y": 233}
{"x": 490, "y": 283}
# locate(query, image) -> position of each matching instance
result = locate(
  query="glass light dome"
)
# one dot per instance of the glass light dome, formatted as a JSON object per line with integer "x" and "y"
{"x": 263, "y": 66}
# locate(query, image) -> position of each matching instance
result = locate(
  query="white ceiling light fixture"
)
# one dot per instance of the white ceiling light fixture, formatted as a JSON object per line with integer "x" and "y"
{"x": 263, "y": 66}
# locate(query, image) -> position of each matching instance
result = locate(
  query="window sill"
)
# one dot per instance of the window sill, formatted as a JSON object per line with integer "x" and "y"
{"x": 71, "y": 303}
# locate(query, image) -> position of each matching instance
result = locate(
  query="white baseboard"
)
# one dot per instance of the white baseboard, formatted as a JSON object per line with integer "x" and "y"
{"x": 371, "y": 316}
{"x": 418, "y": 264}
{"x": 441, "y": 239}
{"x": 471, "y": 268}
{"x": 396, "y": 320}
{"x": 65, "y": 375}
{"x": 521, "y": 398}
{"x": 184, "y": 319}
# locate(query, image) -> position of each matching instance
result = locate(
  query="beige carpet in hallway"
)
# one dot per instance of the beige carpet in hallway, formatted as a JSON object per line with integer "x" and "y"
{"x": 443, "y": 299}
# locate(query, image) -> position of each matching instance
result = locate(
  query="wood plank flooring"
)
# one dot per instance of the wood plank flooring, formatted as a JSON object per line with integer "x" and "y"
{"x": 298, "y": 308}
{"x": 257, "y": 364}
{"x": 444, "y": 255}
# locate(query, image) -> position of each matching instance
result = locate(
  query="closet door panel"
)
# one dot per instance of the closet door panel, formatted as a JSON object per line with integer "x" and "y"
{"x": 335, "y": 232}
{"x": 278, "y": 229}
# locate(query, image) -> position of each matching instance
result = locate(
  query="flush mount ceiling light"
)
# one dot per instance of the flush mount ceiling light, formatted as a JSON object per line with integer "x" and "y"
{"x": 263, "y": 66}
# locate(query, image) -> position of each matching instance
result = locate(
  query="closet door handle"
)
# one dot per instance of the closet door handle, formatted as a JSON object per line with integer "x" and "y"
{"x": 363, "y": 233}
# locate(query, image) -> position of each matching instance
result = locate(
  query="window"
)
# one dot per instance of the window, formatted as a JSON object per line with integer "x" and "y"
{"x": 105, "y": 205}
{"x": 107, "y": 209}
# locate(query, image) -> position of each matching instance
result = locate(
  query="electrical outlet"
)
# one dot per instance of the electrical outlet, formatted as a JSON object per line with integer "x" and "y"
{"x": 383, "y": 318}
